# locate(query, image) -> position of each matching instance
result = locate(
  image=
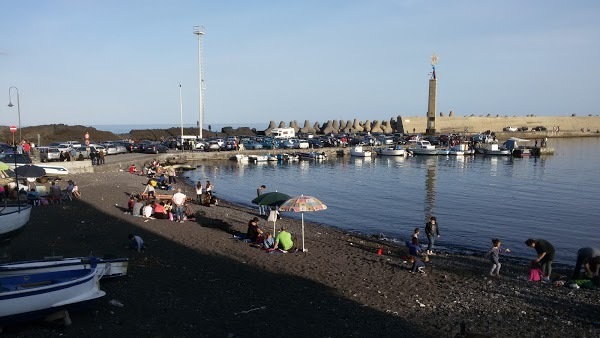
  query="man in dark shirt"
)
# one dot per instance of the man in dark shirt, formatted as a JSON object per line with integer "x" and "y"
{"x": 545, "y": 252}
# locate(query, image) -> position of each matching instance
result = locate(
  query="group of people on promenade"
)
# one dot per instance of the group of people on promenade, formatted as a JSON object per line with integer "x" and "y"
{"x": 540, "y": 267}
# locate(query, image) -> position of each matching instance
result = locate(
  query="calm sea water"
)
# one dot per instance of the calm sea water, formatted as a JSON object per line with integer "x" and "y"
{"x": 474, "y": 198}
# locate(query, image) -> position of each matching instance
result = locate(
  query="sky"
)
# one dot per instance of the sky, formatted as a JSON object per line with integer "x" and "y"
{"x": 121, "y": 62}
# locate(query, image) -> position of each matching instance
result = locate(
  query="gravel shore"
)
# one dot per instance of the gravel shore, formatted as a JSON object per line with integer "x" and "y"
{"x": 195, "y": 279}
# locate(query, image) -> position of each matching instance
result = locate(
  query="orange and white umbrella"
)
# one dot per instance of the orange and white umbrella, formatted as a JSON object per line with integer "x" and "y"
{"x": 302, "y": 204}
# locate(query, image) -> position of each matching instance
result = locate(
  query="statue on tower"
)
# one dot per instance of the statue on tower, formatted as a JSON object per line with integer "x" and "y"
{"x": 434, "y": 61}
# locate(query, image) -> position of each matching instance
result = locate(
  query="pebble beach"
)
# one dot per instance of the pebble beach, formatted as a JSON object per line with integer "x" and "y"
{"x": 196, "y": 279}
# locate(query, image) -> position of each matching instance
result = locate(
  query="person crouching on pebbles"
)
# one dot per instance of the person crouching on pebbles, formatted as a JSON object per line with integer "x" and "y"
{"x": 494, "y": 256}
{"x": 417, "y": 265}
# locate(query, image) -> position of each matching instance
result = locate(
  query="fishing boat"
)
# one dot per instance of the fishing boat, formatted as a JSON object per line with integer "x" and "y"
{"x": 106, "y": 268}
{"x": 422, "y": 147}
{"x": 443, "y": 151}
{"x": 285, "y": 157}
{"x": 517, "y": 150}
{"x": 241, "y": 158}
{"x": 12, "y": 220}
{"x": 456, "y": 150}
{"x": 272, "y": 158}
{"x": 31, "y": 296}
{"x": 396, "y": 150}
{"x": 358, "y": 151}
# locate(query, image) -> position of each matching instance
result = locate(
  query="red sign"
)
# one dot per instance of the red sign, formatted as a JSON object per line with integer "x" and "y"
{"x": 13, "y": 129}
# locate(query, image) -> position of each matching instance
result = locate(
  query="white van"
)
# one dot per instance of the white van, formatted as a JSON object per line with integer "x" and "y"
{"x": 283, "y": 133}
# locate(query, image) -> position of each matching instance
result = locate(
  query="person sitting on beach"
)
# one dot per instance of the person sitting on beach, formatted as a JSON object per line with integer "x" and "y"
{"x": 33, "y": 196}
{"x": 150, "y": 189}
{"x": 169, "y": 209}
{"x": 253, "y": 233}
{"x": 132, "y": 169}
{"x": 148, "y": 210}
{"x": 283, "y": 241}
{"x": 75, "y": 190}
{"x": 159, "y": 210}
{"x": 417, "y": 265}
{"x": 189, "y": 214}
{"x": 494, "y": 256}
{"x": 136, "y": 243}
{"x": 414, "y": 249}
{"x": 268, "y": 242}
{"x": 137, "y": 207}
{"x": 589, "y": 258}
{"x": 54, "y": 193}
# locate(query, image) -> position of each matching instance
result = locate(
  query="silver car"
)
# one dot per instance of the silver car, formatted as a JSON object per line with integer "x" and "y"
{"x": 48, "y": 154}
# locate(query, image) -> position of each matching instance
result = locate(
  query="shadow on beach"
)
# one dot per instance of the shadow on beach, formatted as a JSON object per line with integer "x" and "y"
{"x": 182, "y": 288}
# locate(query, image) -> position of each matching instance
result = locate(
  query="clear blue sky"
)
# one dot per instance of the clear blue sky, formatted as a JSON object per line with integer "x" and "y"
{"x": 120, "y": 62}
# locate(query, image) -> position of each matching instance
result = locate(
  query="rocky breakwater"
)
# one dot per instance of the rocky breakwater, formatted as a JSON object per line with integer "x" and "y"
{"x": 341, "y": 126}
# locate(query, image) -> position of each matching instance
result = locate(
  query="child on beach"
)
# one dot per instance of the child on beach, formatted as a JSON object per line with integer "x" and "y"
{"x": 416, "y": 235}
{"x": 535, "y": 272}
{"x": 414, "y": 249}
{"x": 417, "y": 265}
{"x": 269, "y": 242}
{"x": 136, "y": 242}
{"x": 493, "y": 255}
{"x": 130, "y": 204}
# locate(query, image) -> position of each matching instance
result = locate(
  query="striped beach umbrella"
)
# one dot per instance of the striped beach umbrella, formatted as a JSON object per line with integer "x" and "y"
{"x": 302, "y": 204}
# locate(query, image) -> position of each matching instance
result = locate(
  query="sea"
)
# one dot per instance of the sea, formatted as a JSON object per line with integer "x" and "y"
{"x": 475, "y": 198}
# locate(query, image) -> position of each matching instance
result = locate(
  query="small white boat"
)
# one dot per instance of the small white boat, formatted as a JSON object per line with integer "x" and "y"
{"x": 25, "y": 297}
{"x": 272, "y": 158}
{"x": 106, "y": 268}
{"x": 258, "y": 158}
{"x": 312, "y": 156}
{"x": 456, "y": 150}
{"x": 422, "y": 147}
{"x": 51, "y": 170}
{"x": 12, "y": 219}
{"x": 396, "y": 150}
{"x": 494, "y": 150}
{"x": 443, "y": 151}
{"x": 241, "y": 158}
{"x": 358, "y": 151}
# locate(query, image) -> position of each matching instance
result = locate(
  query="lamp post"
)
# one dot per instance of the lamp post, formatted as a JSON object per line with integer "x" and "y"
{"x": 199, "y": 30}
{"x": 18, "y": 107}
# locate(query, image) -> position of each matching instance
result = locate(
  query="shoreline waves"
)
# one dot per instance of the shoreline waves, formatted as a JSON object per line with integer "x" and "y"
{"x": 194, "y": 279}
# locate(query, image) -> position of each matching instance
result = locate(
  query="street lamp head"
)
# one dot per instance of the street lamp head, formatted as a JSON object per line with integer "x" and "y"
{"x": 10, "y": 104}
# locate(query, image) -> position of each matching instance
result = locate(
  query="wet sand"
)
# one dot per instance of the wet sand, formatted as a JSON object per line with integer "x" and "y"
{"x": 196, "y": 280}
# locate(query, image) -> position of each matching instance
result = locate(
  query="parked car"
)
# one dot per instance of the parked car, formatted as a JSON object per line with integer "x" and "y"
{"x": 10, "y": 158}
{"x": 286, "y": 144}
{"x": 539, "y": 128}
{"x": 48, "y": 154}
{"x": 114, "y": 149}
{"x": 510, "y": 129}
{"x": 86, "y": 151}
{"x": 300, "y": 144}
{"x": 213, "y": 146}
{"x": 315, "y": 143}
{"x": 251, "y": 144}
{"x": 155, "y": 148}
{"x": 4, "y": 147}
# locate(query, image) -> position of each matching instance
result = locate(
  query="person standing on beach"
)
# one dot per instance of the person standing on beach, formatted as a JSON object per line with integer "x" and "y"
{"x": 262, "y": 209}
{"x": 179, "y": 201}
{"x": 431, "y": 230}
{"x": 545, "y": 252}
{"x": 587, "y": 257}
{"x": 415, "y": 236}
{"x": 494, "y": 256}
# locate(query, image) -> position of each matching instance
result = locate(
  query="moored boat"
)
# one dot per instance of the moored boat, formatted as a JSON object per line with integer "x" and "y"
{"x": 358, "y": 151}
{"x": 396, "y": 150}
{"x": 422, "y": 147}
{"x": 258, "y": 158}
{"x": 494, "y": 149}
{"x": 32, "y": 296}
{"x": 312, "y": 156}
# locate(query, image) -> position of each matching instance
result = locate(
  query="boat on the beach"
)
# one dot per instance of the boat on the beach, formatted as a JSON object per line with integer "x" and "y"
{"x": 358, "y": 151}
{"x": 31, "y": 296}
{"x": 422, "y": 147}
{"x": 106, "y": 268}
{"x": 396, "y": 150}
{"x": 12, "y": 219}
{"x": 241, "y": 158}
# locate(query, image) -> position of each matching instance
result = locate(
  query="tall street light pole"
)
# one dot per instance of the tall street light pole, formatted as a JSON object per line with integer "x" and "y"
{"x": 18, "y": 107}
{"x": 181, "y": 115}
{"x": 199, "y": 31}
